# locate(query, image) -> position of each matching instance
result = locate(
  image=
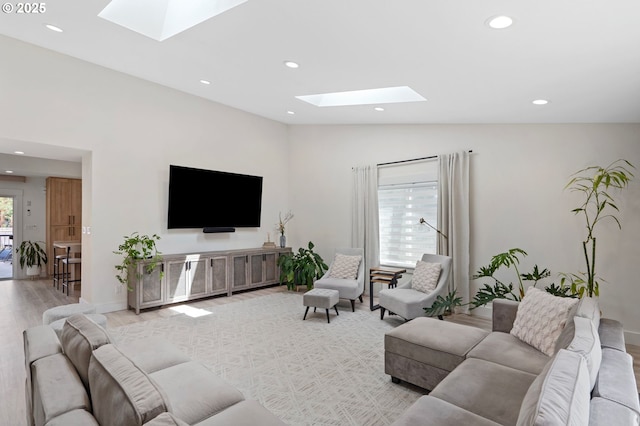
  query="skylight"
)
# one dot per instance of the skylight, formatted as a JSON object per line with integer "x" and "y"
{"x": 386, "y": 95}
{"x": 161, "y": 19}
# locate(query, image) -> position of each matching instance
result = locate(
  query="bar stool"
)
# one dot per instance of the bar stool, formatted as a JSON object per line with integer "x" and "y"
{"x": 57, "y": 273}
{"x": 67, "y": 263}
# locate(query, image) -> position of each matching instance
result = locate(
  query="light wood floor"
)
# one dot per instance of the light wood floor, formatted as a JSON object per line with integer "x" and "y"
{"x": 23, "y": 302}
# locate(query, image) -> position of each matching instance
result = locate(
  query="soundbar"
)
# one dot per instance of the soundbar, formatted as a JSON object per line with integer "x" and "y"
{"x": 213, "y": 230}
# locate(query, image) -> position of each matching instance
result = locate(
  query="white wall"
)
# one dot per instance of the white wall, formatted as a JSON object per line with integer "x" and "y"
{"x": 518, "y": 174}
{"x": 133, "y": 130}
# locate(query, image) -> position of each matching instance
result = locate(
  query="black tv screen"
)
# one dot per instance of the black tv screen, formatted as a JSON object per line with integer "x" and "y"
{"x": 201, "y": 198}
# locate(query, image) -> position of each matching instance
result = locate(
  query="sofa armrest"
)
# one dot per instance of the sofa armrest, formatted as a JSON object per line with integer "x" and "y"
{"x": 504, "y": 314}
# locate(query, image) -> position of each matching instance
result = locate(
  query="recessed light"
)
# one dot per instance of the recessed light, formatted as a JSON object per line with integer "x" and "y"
{"x": 53, "y": 28}
{"x": 206, "y": 82}
{"x": 379, "y": 109}
{"x": 291, "y": 64}
{"x": 19, "y": 152}
{"x": 9, "y": 171}
{"x": 540, "y": 102}
{"x": 291, "y": 113}
{"x": 500, "y": 22}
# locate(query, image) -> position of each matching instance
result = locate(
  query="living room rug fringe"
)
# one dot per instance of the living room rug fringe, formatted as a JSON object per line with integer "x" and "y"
{"x": 305, "y": 372}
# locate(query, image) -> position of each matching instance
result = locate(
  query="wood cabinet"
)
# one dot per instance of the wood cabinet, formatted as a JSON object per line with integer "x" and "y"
{"x": 63, "y": 213}
{"x": 182, "y": 277}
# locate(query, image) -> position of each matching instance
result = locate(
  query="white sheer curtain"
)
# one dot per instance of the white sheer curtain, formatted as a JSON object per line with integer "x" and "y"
{"x": 453, "y": 219}
{"x": 364, "y": 220}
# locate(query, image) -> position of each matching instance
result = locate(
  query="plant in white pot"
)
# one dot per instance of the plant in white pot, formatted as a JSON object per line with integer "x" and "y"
{"x": 32, "y": 255}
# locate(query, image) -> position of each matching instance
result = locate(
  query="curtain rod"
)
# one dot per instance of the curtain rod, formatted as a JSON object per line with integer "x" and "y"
{"x": 408, "y": 161}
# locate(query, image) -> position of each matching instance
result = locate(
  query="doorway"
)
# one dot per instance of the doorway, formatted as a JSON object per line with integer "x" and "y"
{"x": 6, "y": 237}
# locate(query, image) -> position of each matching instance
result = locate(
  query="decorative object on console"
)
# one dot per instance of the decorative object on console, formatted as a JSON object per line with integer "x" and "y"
{"x": 137, "y": 247}
{"x": 280, "y": 227}
{"x": 303, "y": 267}
{"x": 594, "y": 182}
{"x": 268, "y": 243}
{"x": 32, "y": 255}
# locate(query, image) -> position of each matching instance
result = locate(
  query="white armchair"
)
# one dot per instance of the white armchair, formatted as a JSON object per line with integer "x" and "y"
{"x": 347, "y": 288}
{"x": 409, "y": 303}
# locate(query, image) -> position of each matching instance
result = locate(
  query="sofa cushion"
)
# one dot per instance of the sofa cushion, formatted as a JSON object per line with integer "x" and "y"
{"x": 611, "y": 334}
{"x": 244, "y": 413}
{"x": 425, "y": 276}
{"x": 560, "y": 394}
{"x": 586, "y": 342}
{"x": 207, "y": 393}
{"x": 430, "y": 411}
{"x": 430, "y": 341}
{"x": 80, "y": 336}
{"x": 616, "y": 381}
{"x": 74, "y": 418}
{"x": 122, "y": 393}
{"x": 604, "y": 412}
{"x": 57, "y": 388}
{"x": 487, "y": 389}
{"x": 506, "y": 349}
{"x": 589, "y": 308}
{"x": 153, "y": 353}
{"x": 541, "y": 318}
{"x": 345, "y": 267}
{"x": 166, "y": 419}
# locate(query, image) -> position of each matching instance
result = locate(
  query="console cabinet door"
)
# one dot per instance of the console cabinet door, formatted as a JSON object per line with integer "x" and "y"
{"x": 271, "y": 270}
{"x": 147, "y": 288}
{"x": 239, "y": 272}
{"x": 218, "y": 275}
{"x": 176, "y": 280}
{"x": 186, "y": 278}
{"x": 197, "y": 273}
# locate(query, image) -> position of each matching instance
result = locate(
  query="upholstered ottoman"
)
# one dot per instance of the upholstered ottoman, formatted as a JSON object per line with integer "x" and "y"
{"x": 320, "y": 298}
{"x": 425, "y": 358}
{"x": 58, "y": 325}
{"x": 65, "y": 311}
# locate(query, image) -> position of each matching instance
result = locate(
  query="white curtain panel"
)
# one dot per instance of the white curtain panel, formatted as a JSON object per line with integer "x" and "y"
{"x": 364, "y": 220}
{"x": 453, "y": 219}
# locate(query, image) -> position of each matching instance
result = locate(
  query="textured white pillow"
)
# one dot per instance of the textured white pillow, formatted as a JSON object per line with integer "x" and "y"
{"x": 345, "y": 267}
{"x": 586, "y": 342}
{"x": 559, "y": 395}
{"x": 425, "y": 276}
{"x": 540, "y": 319}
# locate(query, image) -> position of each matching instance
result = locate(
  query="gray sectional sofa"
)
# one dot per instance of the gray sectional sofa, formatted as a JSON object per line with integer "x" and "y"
{"x": 477, "y": 377}
{"x": 82, "y": 378}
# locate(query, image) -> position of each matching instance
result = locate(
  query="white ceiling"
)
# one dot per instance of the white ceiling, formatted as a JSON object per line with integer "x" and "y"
{"x": 581, "y": 55}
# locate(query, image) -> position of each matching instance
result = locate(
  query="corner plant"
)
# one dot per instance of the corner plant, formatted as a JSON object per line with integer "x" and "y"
{"x": 31, "y": 254}
{"x": 137, "y": 247}
{"x": 303, "y": 267}
{"x": 595, "y": 184}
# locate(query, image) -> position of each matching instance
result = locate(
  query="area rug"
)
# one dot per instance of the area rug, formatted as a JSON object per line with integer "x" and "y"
{"x": 305, "y": 372}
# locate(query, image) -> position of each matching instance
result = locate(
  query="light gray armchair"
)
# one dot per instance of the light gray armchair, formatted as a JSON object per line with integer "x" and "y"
{"x": 409, "y": 303}
{"x": 347, "y": 289}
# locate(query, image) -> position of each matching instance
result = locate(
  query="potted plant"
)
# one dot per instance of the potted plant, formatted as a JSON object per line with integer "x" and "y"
{"x": 595, "y": 183}
{"x": 32, "y": 255}
{"x": 303, "y": 267}
{"x": 135, "y": 248}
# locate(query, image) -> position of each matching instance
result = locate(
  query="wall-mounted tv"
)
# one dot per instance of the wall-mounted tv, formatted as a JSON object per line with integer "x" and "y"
{"x": 213, "y": 200}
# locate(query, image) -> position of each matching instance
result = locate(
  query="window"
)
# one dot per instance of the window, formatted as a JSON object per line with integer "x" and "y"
{"x": 405, "y": 196}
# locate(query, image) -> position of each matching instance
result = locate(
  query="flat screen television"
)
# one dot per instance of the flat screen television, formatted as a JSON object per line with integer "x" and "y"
{"x": 213, "y": 200}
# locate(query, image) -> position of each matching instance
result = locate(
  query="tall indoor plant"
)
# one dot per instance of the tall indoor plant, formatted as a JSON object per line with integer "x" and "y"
{"x": 33, "y": 255}
{"x": 135, "y": 248}
{"x": 596, "y": 185}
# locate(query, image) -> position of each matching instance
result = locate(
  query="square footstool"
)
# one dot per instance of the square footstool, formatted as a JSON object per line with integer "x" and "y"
{"x": 425, "y": 350}
{"x": 320, "y": 298}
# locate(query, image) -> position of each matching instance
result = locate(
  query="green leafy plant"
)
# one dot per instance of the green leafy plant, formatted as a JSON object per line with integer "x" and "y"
{"x": 595, "y": 184}
{"x": 303, "y": 267}
{"x": 444, "y": 305}
{"x": 135, "y": 248}
{"x": 500, "y": 290}
{"x": 32, "y": 253}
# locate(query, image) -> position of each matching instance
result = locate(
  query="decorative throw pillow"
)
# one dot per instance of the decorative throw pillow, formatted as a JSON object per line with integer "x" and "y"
{"x": 345, "y": 267}
{"x": 540, "y": 319}
{"x": 425, "y": 276}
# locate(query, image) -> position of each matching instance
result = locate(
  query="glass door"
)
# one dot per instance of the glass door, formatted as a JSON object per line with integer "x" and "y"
{"x": 6, "y": 237}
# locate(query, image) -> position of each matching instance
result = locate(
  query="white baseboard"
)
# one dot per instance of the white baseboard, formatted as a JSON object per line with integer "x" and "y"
{"x": 632, "y": 338}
